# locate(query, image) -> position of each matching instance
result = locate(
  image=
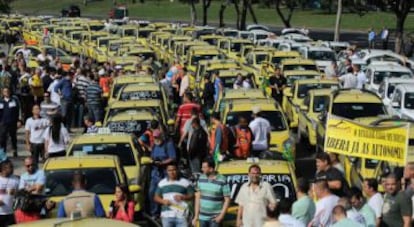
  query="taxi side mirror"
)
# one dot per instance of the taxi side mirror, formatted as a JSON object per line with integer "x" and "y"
{"x": 146, "y": 161}
{"x": 303, "y": 108}
{"x": 134, "y": 188}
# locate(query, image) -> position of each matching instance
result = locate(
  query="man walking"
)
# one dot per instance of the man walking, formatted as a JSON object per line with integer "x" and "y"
{"x": 94, "y": 99}
{"x": 261, "y": 133}
{"x": 253, "y": 199}
{"x": 34, "y": 130}
{"x": 64, "y": 89}
{"x": 212, "y": 196}
{"x": 9, "y": 115}
{"x": 197, "y": 145}
{"x": 397, "y": 208}
{"x": 173, "y": 193}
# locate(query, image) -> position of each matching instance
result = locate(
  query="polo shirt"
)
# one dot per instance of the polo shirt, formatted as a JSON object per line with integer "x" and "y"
{"x": 212, "y": 193}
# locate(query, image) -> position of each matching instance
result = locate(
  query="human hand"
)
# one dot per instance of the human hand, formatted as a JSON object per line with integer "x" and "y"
{"x": 194, "y": 222}
{"x": 218, "y": 218}
{"x": 178, "y": 198}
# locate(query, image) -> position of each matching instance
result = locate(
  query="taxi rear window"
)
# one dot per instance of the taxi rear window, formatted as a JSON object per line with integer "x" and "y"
{"x": 122, "y": 150}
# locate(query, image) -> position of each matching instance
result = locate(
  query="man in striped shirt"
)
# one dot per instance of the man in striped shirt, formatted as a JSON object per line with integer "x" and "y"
{"x": 81, "y": 83}
{"x": 94, "y": 100}
{"x": 172, "y": 193}
{"x": 212, "y": 196}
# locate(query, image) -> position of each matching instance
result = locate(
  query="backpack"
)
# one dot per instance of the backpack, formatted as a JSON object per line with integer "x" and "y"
{"x": 243, "y": 142}
{"x": 226, "y": 136}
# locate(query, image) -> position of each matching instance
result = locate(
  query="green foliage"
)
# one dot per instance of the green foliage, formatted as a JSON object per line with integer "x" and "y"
{"x": 5, "y": 6}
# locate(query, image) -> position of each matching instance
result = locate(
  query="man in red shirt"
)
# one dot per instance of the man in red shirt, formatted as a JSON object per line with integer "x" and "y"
{"x": 185, "y": 110}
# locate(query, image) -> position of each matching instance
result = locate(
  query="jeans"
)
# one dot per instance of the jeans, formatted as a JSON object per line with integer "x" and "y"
{"x": 77, "y": 121}
{"x": 6, "y": 220}
{"x": 154, "y": 208}
{"x": 95, "y": 112}
{"x": 210, "y": 223}
{"x": 67, "y": 109}
{"x": 174, "y": 222}
{"x": 36, "y": 149}
{"x": 7, "y": 130}
{"x": 195, "y": 164}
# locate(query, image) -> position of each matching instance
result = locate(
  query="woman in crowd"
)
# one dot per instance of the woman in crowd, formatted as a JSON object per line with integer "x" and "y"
{"x": 122, "y": 208}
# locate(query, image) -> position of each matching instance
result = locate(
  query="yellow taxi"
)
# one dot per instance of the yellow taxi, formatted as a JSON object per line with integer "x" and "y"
{"x": 316, "y": 101}
{"x": 208, "y": 66}
{"x": 294, "y": 96}
{"x": 231, "y": 46}
{"x": 350, "y": 104}
{"x": 236, "y": 94}
{"x": 99, "y": 52}
{"x": 195, "y": 55}
{"x": 103, "y": 173}
{"x": 121, "y": 81}
{"x": 143, "y": 91}
{"x": 131, "y": 121}
{"x": 65, "y": 58}
{"x": 279, "y": 173}
{"x": 275, "y": 59}
{"x": 211, "y": 39}
{"x": 229, "y": 76}
{"x": 270, "y": 110}
{"x": 143, "y": 34}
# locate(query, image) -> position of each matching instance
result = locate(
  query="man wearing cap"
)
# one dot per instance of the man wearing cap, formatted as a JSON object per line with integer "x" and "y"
{"x": 261, "y": 132}
{"x": 163, "y": 153}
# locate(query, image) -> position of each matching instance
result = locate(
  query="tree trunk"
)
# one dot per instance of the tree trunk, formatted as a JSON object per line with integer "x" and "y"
{"x": 236, "y": 7}
{"x": 330, "y": 4}
{"x": 193, "y": 13}
{"x": 399, "y": 32}
{"x": 251, "y": 11}
{"x": 206, "y": 4}
{"x": 286, "y": 21}
{"x": 221, "y": 13}
{"x": 338, "y": 21}
{"x": 243, "y": 16}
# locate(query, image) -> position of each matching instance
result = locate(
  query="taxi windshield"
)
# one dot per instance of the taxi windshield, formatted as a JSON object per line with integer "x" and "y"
{"x": 196, "y": 59}
{"x": 140, "y": 95}
{"x": 278, "y": 60}
{"x": 129, "y": 126}
{"x": 299, "y": 67}
{"x": 304, "y": 88}
{"x": 275, "y": 119}
{"x": 235, "y": 47}
{"x": 260, "y": 58}
{"x": 322, "y": 55}
{"x": 379, "y": 76}
{"x": 409, "y": 100}
{"x": 320, "y": 103}
{"x": 100, "y": 181}
{"x": 96, "y": 27}
{"x": 357, "y": 110}
{"x": 122, "y": 150}
{"x": 231, "y": 33}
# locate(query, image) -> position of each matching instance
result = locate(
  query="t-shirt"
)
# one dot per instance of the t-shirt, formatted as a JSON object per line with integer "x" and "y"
{"x": 361, "y": 80}
{"x": 303, "y": 209}
{"x": 324, "y": 207}
{"x": 47, "y": 108}
{"x": 349, "y": 80}
{"x": 369, "y": 216}
{"x": 333, "y": 174}
{"x": 28, "y": 180}
{"x": 63, "y": 140}
{"x": 26, "y": 54}
{"x": 376, "y": 202}
{"x": 254, "y": 203}
{"x": 167, "y": 189}
{"x": 37, "y": 128}
{"x": 346, "y": 222}
{"x": 260, "y": 128}
{"x": 212, "y": 197}
{"x": 8, "y": 189}
{"x": 355, "y": 216}
{"x": 287, "y": 220}
{"x": 273, "y": 80}
{"x": 184, "y": 113}
{"x": 394, "y": 208}
{"x": 54, "y": 96}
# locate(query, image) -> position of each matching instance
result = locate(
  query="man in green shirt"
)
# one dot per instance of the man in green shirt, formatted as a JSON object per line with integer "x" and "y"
{"x": 359, "y": 204}
{"x": 212, "y": 196}
{"x": 303, "y": 209}
{"x": 397, "y": 208}
{"x": 339, "y": 214}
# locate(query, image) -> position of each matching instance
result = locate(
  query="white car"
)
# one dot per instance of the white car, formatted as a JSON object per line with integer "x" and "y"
{"x": 387, "y": 87}
{"x": 323, "y": 56}
{"x": 402, "y": 103}
{"x": 255, "y": 36}
{"x": 377, "y": 71}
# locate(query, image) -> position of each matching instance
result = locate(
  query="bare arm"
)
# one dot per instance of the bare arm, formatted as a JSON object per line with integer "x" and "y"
{"x": 335, "y": 184}
{"x": 407, "y": 221}
{"x": 161, "y": 201}
{"x": 27, "y": 139}
{"x": 196, "y": 208}
{"x": 239, "y": 221}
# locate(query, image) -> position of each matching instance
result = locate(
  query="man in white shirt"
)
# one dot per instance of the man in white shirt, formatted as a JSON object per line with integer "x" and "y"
{"x": 254, "y": 198}
{"x": 26, "y": 52}
{"x": 331, "y": 72}
{"x": 54, "y": 96}
{"x": 361, "y": 78}
{"x": 349, "y": 81}
{"x": 325, "y": 204}
{"x": 8, "y": 189}
{"x": 285, "y": 217}
{"x": 375, "y": 200}
{"x": 34, "y": 129}
{"x": 261, "y": 132}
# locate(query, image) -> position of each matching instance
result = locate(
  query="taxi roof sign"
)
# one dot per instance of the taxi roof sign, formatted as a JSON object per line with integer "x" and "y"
{"x": 104, "y": 130}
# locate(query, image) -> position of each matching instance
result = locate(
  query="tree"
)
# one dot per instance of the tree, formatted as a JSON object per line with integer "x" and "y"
{"x": 224, "y": 4}
{"x": 193, "y": 12}
{"x": 401, "y": 9}
{"x": 206, "y": 5}
{"x": 290, "y": 4}
{"x": 338, "y": 21}
{"x": 5, "y": 6}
